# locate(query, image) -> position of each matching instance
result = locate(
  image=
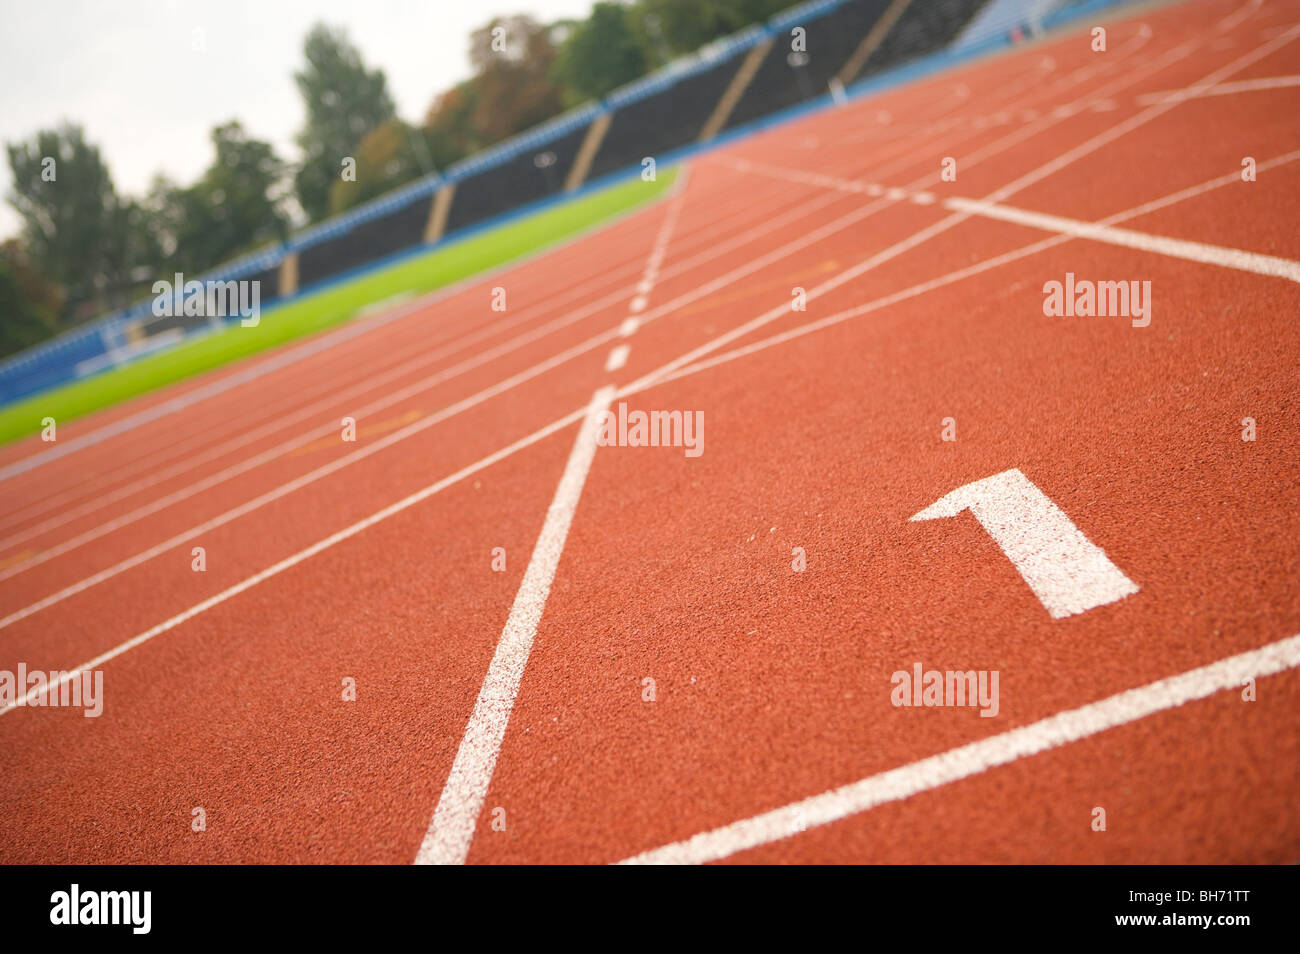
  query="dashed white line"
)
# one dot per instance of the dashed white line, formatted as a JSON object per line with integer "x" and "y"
{"x": 617, "y": 357}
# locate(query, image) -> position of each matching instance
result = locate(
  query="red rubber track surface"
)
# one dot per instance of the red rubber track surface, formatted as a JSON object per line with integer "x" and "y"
{"x": 771, "y": 685}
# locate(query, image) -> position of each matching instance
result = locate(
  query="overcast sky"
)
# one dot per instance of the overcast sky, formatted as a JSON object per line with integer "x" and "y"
{"x": 127, "y": 70}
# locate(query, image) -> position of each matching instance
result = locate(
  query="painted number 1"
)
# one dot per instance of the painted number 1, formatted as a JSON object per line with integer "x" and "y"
{"x": 1067, "y": 572}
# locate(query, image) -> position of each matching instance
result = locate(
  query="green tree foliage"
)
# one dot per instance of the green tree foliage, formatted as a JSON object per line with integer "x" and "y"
{"x": 233, "y": 208}
{"x": 30, "y": 305}
{"x": 670, "y": 28}
{"x": 513, "y": 88}
{"x": 344, "y": 101}
{"x": 600, "y": 54}
{"x": 76, "y": 230}
{"x": 390, "y": 155}
{"x": 85, "y": 249}
{"x": 449, "y": 125}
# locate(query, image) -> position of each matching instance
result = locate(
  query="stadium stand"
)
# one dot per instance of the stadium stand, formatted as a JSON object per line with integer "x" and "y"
{"x": 787, "y": 77}
{"x": 925, "y": 25}
{"x": 658, "y": 124}
{"x": 371, "y": 240}
{"x": 526, "y": 178}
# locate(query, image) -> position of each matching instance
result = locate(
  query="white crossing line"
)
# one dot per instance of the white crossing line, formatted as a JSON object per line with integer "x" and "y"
{"x": 1128, "y": 238}
{"x": 672, "y": 371}
{"x": 1097, "y": 231}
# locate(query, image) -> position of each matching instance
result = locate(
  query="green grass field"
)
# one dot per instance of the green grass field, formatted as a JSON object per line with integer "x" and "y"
{"x": 313, "y": 312}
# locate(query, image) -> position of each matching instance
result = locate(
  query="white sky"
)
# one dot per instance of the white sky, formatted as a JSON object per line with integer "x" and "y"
{"x": 127, "y": 70}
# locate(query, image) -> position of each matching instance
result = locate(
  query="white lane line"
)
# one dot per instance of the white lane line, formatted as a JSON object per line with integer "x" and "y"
{"x": 451, "y": 832}
{"x": 220, "y": 386}
{"x": 1029, "y": 178}
{"x": 1223, "y": 89}
{"x": 1045, "y": 119}
{"x": 1057, "y": 115}
{"x": 275, "y": 453}
{"x": 617, "y": 357}
{"x": 565, "y": 320}
{"x": 1100, "y": 232}
{"x": 707, "y": 249}
{"x": 284, "y": 448}
{"x": 318, "y": 547}
{"x": 1169, "y": 57}
{"x": 281, "y": 450}
{"x": 662, "y": 241}
{"x": 978, "y": 757}
{"x": 1231, "y": 20}
{"x": 1127, "y": 238}
{"x": 460, "y": 339}
{"x": 351, "y": 330}
{"x": 1140, "y": 119}
{"x": 452, "y": 829}
{"x": 628, "y": 327}
{"x": 311, "y": 477}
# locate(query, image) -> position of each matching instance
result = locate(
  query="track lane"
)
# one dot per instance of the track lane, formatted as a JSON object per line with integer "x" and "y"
{"x": 739, "y": 394}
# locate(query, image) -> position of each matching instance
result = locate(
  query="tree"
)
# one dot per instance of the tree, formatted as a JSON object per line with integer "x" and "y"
{"x": 600, "y": 54}
{"x": 75, "y": 227}
{"x": 30, "y": 305}
{"x": 344, "y": 101}
{"x": 390, "y": 155}
{"x": 234, "y": 207}
{"x": 449, "y": 125}
{"x": 512, "y": 58}
{"x": 669, "y": 28}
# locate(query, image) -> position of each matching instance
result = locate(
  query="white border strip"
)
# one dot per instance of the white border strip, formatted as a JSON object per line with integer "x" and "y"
{"x": 977, "y": 757}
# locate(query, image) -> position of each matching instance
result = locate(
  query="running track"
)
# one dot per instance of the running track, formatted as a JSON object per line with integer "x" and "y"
{"x": 520, "y": 696}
